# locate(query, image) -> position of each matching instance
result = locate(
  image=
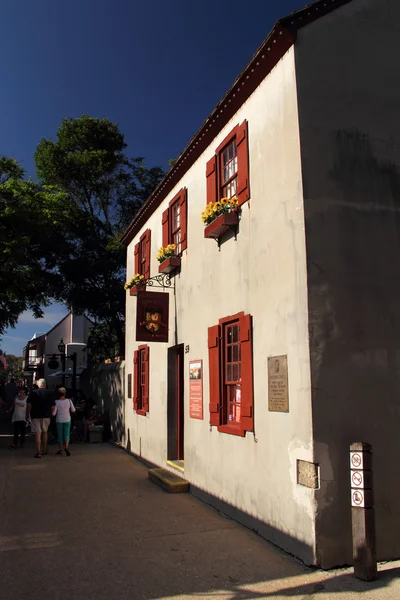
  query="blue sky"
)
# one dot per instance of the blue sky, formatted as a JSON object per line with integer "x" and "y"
{"x": 156, "y": 68}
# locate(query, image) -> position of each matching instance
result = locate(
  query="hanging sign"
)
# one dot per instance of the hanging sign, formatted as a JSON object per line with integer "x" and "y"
{"x": 152, "y": 313}
{"x": 53, "y": 363}
{"x": 196, "y": 389}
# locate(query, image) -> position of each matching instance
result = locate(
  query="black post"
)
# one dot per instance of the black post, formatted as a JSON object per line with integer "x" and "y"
{"x": 73, "y": 358}
{"x": 63, "y": 369}
{"x": 362, "y": 512}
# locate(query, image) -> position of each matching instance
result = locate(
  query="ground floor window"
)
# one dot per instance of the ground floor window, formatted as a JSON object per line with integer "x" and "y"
{"x": 141, "y": 380}
{"x": 231, "y": 374}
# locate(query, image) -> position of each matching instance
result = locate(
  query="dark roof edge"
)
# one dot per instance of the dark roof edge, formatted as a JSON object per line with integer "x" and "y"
{"x": 274, "y": 47}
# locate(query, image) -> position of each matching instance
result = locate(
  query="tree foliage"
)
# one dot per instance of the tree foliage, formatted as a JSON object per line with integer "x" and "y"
{"x": 60, "y": 236}
{"x": 87, "y": 163}
{"x": 31, "y": 217}
{"x": 14, "y": 367}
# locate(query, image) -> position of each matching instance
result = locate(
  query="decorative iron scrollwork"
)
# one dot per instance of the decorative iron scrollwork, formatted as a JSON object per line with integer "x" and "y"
{"x": 162, "y": 280}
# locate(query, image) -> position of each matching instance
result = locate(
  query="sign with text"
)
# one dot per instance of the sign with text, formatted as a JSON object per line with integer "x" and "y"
{"x": 196, "y": 389}
{"x": 278, "y": 389}
{"x": 152, "y": 314}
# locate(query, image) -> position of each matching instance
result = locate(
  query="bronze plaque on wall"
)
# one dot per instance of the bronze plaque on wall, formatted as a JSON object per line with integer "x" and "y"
{"x": 278, "y": 388}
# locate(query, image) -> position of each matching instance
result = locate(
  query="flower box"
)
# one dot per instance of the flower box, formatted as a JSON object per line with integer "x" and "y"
{"x": 139, "y": 287}
{"x": 221, "y": 224}
{"x": 169, "y": 265}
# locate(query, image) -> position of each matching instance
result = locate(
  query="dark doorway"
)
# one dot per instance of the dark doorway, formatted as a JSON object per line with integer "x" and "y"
{"x": 175, "y": 403}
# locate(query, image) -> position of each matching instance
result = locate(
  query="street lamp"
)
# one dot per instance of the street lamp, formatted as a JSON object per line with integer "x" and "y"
{"x": 61, "y": 349}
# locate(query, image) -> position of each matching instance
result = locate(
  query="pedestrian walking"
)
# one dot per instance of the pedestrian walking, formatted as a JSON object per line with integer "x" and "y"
{"x": 19, "y": 409}
{"x": 62, "y": 410}
{"x": 40, "y": 403}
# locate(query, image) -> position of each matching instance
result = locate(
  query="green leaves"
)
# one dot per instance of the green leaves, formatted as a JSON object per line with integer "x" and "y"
{"x": 60, "y": 236}
{"x": 87, "y": 163}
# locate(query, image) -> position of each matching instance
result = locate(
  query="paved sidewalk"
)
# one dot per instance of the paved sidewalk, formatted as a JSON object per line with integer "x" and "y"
{"x": 93, "y": 527}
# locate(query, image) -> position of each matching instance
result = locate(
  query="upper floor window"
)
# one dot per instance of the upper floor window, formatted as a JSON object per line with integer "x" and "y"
{"x": 143, "y": 254}
{"x": 231, "y": 374}
{"x": 174, "y": 222}
{"x": 228, "y": 170}
{"x": 176, "y": 231}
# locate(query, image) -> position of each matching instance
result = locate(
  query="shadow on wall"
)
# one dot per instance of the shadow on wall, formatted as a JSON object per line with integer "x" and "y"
{"x": 108, "y": 386}
{"x": 353, "y": 252}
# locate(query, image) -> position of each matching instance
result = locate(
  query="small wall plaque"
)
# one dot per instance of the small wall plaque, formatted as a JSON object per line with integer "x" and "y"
{"x": 278, "y": 389}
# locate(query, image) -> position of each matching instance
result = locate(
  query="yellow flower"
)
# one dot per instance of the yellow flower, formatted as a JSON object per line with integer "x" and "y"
{"x": 224, "y": 200}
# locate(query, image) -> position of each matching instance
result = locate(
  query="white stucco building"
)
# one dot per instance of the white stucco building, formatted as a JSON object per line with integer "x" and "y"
{"x": 42, "y": 355}
{"x": 308, "y": 280}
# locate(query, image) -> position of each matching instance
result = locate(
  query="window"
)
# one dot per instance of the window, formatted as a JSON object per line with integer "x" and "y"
{"x": 231, "y": 374}
{"x": 143, "y": 255}
{"x": 141, "y": 380}
{"x": 227, "y": 171}
{"x": 174, "y": 222}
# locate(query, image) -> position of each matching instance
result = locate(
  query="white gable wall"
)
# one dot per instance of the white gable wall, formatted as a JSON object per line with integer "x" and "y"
{"x": 263, "y": 273}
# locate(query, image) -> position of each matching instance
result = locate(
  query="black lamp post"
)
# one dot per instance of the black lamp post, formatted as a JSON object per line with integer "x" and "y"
{"x": 61, "y": 349}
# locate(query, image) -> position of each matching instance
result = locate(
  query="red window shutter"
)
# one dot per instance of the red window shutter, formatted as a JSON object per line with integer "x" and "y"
{"x": 183, "y": 202}
{"x": 146, "y": 379}
{"x": 148, "y": 254}
{"x": 211, "y": 173}
{"x": 246, "y": 349}
{"x": 165, "y": 228}
{"x": 136, "y": 381}
{"x": 137, "y": 258}
{"x": 214, "y": 342}
{"x": 243, "y": 186}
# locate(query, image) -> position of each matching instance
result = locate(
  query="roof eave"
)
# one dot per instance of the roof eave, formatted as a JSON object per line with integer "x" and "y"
{"x": 274, "y": 47}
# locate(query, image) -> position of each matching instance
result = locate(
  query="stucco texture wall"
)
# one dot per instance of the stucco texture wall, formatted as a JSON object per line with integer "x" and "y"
{"x": 349, "y": 94}
{"x": 262, "y": 273}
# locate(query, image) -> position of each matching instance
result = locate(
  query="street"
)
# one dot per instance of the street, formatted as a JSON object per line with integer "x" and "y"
{"x": 93, "y": 526}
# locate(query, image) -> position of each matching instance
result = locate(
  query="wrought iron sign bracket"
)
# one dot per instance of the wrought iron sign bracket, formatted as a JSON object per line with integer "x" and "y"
{"x": 162, "y": 281}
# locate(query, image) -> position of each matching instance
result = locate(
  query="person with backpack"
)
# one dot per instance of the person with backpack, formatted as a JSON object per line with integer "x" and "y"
{"x": 62, "y": 411}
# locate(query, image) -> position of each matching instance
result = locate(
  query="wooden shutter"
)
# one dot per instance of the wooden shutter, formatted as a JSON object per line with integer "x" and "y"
{"x": 183, "y": 202}
{"x": 243, "y": 187}
{"x": 136, "y": 380}
{"x": 246, "y": 348}
{"x": 165, "y": 228}
{"x": 214, "y": 365}
{"x": 146, "y": 379}
{"x": 147, "y": 255}
{"x": 211, "y": 173}
{"x": 137, "y": 258}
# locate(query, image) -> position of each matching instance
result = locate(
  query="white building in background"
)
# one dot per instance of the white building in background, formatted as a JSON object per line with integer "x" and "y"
{"x": 42, "y": 353}
{"x": 282, "y": 345}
